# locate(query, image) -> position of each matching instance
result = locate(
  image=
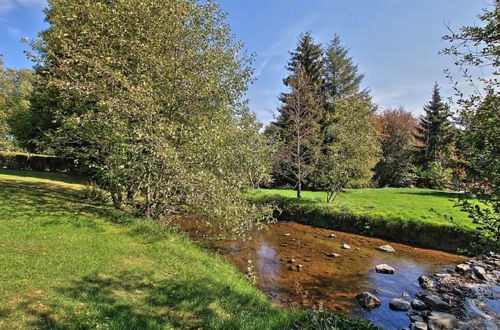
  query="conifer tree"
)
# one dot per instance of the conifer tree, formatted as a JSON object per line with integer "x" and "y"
{"x": 341, "y": 74}
{"x": 308, "y": 56}
{"x": 349, "y": 149}
{"x": 435, "y": 132}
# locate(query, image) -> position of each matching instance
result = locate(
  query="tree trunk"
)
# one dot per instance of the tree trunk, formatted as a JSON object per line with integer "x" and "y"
{"x": 299, "y": 190}
{"x": 116, "y": 196}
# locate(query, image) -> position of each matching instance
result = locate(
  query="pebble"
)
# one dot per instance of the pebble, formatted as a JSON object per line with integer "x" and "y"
{"x": 346, "y": 246}
{"x": 386, "y": 248}
{"x": 479, "y": 272}
{"x": 419, "y": 326}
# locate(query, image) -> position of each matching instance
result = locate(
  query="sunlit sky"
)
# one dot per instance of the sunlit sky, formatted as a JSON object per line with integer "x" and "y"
{"x": 396, "y": 43}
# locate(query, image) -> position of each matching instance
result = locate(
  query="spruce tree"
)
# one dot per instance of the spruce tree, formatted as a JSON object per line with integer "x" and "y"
{"x": 435, "y": 132}
{"x": 341, "y": 74}
{"x": 308, "y": 57}
{"x": 349, "y": 149}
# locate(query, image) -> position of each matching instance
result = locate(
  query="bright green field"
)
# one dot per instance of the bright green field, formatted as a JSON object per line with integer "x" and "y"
{"x": 427, "y": 205}
{"x": 67, "y": 264}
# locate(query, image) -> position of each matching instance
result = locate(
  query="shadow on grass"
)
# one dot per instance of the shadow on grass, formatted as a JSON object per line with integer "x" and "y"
{"x": 434, "y": 193}
{"x": 59, "y": 177}
{"x": 284, "y": 200}
{"x": 132, "y": 300}
{"x": 54, "y": 205}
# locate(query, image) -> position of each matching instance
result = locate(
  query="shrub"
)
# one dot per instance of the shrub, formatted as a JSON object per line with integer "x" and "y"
{"x": 41, "y": 163}
{"x": 93, "y": 194}
{"x": 436, "y": 177}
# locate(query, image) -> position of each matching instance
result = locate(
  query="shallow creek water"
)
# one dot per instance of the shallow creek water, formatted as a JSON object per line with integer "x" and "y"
{"x": 328, "y": 281}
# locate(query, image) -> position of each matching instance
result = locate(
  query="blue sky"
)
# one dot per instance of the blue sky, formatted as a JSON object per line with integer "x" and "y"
{"x": 394, "y": 42}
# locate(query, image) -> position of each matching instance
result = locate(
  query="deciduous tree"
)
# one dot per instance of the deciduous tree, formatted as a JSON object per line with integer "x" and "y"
{"x": 148, "y": 94}
{"x": 298, "y": 129}
{"x": 396, "y": 129}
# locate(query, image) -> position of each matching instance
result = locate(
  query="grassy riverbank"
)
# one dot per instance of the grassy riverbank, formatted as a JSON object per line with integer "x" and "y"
{"x": 409, "y": 215}
{"x": 66, "y": 263}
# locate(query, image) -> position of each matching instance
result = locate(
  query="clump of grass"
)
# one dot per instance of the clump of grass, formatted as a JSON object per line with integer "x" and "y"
{"x": 323, "y": 320}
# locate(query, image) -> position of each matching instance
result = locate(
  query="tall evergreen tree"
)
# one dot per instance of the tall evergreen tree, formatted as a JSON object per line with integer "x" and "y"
{"x": 349, "y": 148}
{"x": 341, "y": 79}
{"x": 435, "y": 132}
{"x": 341, "y": 74}
{"x": 307, "y": 56}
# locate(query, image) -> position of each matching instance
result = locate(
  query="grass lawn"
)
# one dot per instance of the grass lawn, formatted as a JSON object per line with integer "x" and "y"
{"x": 65, "y": 263}
{"x": 426, "y": 205}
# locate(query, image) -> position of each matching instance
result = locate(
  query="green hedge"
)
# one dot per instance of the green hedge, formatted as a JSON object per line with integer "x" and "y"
{"x": 445, "y": 237}
{"x": 32, "y": 162}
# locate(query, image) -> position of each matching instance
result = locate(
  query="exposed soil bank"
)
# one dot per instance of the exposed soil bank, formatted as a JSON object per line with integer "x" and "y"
{"x": 297, "y": 265}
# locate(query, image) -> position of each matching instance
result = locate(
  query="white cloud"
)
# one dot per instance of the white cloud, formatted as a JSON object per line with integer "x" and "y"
{"x": 6, "y": 5}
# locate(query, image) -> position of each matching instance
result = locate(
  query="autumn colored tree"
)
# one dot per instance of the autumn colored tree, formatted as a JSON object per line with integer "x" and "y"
{"x": 396, "y": 129}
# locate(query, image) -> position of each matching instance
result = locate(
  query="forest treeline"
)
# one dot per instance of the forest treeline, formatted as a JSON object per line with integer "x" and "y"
{"x": 150, "y": 96}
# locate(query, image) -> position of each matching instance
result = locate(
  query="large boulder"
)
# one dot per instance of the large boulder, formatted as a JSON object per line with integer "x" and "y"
{"x": 368, "y": 300}
{"x": 434, "y": 301}
{"x": 384, "y": 269}
{"x": 399, "y": 304}
{"x": 418, "y": 305}
{"x": 479, "y": 272}
{"x": 462, "y": 268}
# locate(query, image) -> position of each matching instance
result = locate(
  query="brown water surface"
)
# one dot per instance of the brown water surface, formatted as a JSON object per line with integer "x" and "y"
{"x": 331, "y": 282}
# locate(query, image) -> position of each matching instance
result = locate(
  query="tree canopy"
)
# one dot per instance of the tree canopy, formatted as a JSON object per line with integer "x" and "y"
{"x": 148, "y": 94}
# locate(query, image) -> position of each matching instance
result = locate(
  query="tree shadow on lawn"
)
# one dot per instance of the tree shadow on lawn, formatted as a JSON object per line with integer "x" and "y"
{"x": 435, "y": 193}
{"x": 132, "y": 300}
{"x": 276, "y": 198}
{"x": 53, "y": 205}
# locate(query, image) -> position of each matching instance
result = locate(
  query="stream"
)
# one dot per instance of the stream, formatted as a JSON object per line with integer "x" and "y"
{"x": 324, "y": 279}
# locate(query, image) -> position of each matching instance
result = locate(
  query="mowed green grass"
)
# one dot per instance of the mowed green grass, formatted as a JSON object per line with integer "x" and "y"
{"x": 65, "y": 263}
{"x": 426, "y": 205}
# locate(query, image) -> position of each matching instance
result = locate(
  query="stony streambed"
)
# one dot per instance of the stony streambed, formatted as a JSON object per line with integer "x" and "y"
{"x": 306, "y": 267}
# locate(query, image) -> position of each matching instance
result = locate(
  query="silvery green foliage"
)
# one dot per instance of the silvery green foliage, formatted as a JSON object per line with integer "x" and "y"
{"x": 149, "y": 96}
